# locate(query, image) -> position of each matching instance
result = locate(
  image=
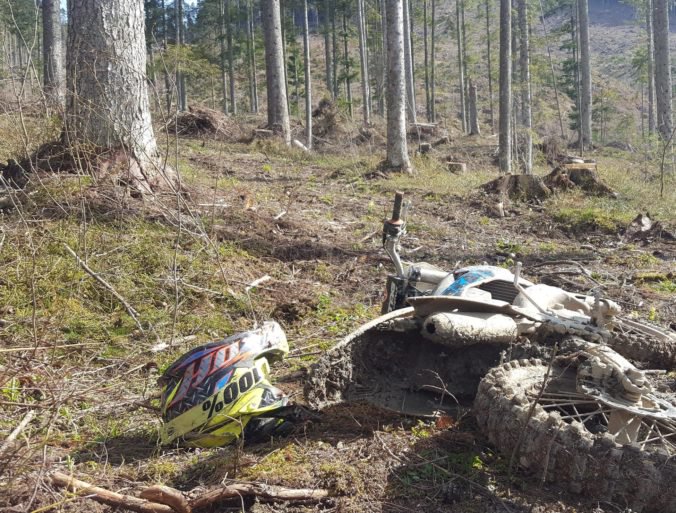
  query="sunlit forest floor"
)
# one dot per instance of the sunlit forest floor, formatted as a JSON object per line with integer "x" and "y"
{"x": 312, "y": 223}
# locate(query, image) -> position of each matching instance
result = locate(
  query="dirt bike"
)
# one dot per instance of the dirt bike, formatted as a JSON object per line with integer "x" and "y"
{"x": 546, "y": 372}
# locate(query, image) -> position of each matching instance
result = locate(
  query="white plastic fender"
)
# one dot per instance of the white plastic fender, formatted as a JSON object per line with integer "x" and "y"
{"x": 457, "y": 329}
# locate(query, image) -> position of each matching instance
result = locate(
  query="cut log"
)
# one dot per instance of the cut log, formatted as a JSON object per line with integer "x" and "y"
{"x": 457, "y": 167}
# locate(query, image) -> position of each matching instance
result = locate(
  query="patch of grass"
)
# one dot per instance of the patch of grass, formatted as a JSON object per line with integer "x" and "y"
{"x": 589, "y": 218}
{"x": 430, "y": 176}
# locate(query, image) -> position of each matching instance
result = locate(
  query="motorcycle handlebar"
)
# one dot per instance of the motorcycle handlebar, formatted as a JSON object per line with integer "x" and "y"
{"x": 396, "y": 209}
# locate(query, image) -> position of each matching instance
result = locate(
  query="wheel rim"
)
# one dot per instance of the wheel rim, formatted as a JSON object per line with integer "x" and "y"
{"x": 649, "y": 423}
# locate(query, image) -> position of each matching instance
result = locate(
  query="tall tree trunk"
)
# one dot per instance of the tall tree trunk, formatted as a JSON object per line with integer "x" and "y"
{"x": 231, "y": 59}
{"x": 651, "y": 68}
{"x": 52, "y": 53}
{"x": 505, "y": 150}
{"x": 221, "y": 39}
{"x": 167, "y": 80}
{"x": 662, "y": 68}
{"x": 524, "y": 64}
{"x": 433, "y": 58}
{"x": 334, "y": 46}
{"x": 363, "y": 61}
{"x": 107, "y": 96}
{"x": 473, "y": 111}
{"x": 251, "y": 48}
{"x": 408, "y": 62}
{"x": 461, "y": 66}
{"x": 427, "y": 63}
{"x": 397, "y": 151}
{"x": 585, "y": 75}
{"x": 278, "y": 112}
{"x": 489, "y": 64}
{"x": 383, "y": 92}
{"x": 178, "y": 29}
{"x": 327, "y": 47}
{"x": 308, "y": 81}
{"x": 346, "y": 64}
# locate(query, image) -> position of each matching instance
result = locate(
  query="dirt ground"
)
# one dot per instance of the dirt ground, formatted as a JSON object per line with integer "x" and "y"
{"x": 312, "y": 224}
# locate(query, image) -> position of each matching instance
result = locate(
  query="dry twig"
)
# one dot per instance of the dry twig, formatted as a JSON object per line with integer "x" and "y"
{"x": 17, "y": 431}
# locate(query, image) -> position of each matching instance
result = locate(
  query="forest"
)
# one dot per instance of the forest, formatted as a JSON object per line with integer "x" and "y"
{"x": 210, "y": 302}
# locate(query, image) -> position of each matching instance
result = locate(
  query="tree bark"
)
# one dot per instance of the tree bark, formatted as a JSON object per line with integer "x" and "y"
{"x": 651, "y": 68}
{"x": 433, "y": 109}
{"x": 308, "y": 78}
{"x": 408, "y": 63}
{"x": 461, "y": 66}
{"x": 473, "y": 114}
{"x": 662, "y": 68}
{"x": 363, "y": 61}
{"x": 489, "y": 64}
{"x": 427, "y": 63}
{"x": 505, "y": 138}
{"x": 231, "y": 59}
{"x": 253, "y": 81}
{"x": 397, "y": 151}
{"x": 221, "y": 39}
{"x": 52, "y": 54}
{"x": 278, "y": 113}
{"x": 107, "y": 97}
{"x": 585, "y": 75}
{"x": 524, "y": 65}
{"x": 327, "y": 47}
{"x": 346, "y": 64}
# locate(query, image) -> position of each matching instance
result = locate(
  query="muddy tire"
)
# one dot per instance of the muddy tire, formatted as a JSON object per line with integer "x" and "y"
{"x": 567, "y": 453}
{"x": 645, "y": 343}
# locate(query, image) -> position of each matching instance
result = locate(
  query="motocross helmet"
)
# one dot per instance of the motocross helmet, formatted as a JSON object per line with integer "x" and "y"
{"x": 220, "y": 391}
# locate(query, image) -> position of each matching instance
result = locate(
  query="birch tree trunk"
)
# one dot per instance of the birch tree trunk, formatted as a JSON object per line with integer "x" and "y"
{"x": 308, "y": 78}
{"x": 585, "y": 75}
{"x": 107, "y": 107}
{"x": 651, "y": 67}
{"x": 52, "y": 53}
{"x": 408, "y": 63}
{"x": 505, "y": 137}
{"x": 397, "y": 151}
{"x": 524, "y": 65}
{"x": 278, "y": 112}
{"x": 363, "y": 61}
{"x": 662, "y": 68}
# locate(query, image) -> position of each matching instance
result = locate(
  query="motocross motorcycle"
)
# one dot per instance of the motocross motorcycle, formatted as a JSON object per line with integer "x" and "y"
{"x": 579, "y": 392}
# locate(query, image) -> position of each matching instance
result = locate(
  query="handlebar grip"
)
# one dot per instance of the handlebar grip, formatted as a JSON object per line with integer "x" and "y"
{"x": 396, "y": 209}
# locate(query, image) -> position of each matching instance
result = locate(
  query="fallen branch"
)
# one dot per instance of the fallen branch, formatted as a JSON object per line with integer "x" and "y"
{"x": 167, "y": 495}
{"x": 269, "y": 492}
{"x": 161, "y": 346}
{"x": 130, "y": 310}
{"x": 44, "y": 348}
{"x": 17, "y": 431}
{"x": 163, "y": 499}
{"x": 107, "y": 497}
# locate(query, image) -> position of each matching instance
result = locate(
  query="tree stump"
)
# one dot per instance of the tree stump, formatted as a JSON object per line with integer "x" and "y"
{"x": 457, "y": 167}
{"x": 582, "y": 176}
{"x": 518, "y": 188}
